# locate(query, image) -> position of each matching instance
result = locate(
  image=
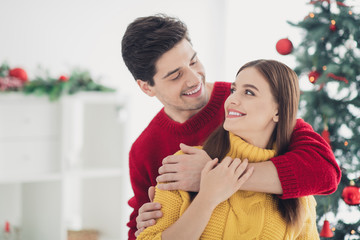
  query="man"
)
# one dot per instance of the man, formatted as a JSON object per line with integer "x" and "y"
{"x": 158, "y": 52}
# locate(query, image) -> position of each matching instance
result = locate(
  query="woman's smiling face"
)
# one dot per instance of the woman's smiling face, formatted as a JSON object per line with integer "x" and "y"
{"x": 251, "y": 110}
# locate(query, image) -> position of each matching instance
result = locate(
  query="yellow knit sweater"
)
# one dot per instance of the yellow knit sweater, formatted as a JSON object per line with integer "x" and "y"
{"x": 245, "y": 215}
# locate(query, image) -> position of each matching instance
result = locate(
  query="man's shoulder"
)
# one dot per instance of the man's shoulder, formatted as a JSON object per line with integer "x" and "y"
{"x": 218, "y": 90}
{"x": 211, "y": 85}
{"x": 302, "y": 125}
{"x": 219, "y": 84}
{"x": 148, "y": 136}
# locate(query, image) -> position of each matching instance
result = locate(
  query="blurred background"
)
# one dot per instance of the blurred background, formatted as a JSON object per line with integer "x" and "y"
{"x": 86, "y": 184}
{"x": 60, "y": 35}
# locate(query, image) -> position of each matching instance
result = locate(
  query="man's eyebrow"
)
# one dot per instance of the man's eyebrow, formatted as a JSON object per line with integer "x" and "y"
{"x": 192, "y": 58}
{"x": 177, "y": 69}
{"x": 171, "y": 72}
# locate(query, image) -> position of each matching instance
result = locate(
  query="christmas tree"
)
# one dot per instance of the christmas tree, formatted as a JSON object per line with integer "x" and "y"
{"x": 329, "y": 57}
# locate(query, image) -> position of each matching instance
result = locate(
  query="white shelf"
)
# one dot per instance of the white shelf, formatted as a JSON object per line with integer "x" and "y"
{"x": 96, "y": 173}
{"x": 61, "y": 164}
{"x": 47, "y": 177}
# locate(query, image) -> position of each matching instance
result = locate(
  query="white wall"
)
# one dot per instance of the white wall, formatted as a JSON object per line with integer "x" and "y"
{"x": 254, "y": 27}
{"x": 63, "y": 34}
{"x": 60, "y": 35}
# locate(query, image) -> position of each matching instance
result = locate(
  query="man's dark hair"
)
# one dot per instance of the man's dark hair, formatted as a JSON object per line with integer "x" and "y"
{"x": 146, "y": 39}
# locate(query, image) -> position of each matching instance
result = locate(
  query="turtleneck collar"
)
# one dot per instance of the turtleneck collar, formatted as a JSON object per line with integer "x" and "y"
{"x": 241, "y": 149}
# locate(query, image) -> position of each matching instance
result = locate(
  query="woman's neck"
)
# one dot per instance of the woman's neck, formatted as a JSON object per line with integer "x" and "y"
{"x": 242, "y": 149}
{"x": 258, "y": 141}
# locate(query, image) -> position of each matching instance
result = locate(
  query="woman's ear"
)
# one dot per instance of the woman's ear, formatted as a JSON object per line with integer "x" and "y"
{"x": 276, "y": 117}
{"x": 145, "y": 87}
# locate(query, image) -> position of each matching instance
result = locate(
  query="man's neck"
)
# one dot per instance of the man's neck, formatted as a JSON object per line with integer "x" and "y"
{"x": 183, "y": 116}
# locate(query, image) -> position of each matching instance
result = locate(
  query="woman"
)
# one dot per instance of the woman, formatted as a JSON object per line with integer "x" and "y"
{"x": 260, "y": 115}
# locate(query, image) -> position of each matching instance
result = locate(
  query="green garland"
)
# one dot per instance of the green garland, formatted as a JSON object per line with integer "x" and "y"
{"x": 54, "y": 88}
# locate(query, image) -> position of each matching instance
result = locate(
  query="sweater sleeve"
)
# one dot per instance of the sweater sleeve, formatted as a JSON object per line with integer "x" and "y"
{"x": 309, "y": 166}
{"x": 140, "y": 183}
{"x": 171, "y": 207}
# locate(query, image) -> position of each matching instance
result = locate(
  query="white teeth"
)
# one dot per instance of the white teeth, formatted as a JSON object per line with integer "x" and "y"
{"x": 194, "y": 91}
{"x": 235, "y": 114}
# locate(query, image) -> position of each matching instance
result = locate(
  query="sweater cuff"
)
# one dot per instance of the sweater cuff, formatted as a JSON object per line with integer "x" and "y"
{"x": 287, "y": 177}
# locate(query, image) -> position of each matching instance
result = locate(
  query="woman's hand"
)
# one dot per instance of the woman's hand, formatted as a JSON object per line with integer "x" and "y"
{"x": 219, "y": 182}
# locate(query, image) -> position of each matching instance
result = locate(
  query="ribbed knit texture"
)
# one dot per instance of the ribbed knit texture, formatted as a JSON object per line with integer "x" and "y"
{"x": 308, "y": 168}
{"x": 162, "y": 138}
{"x": 245, "y": 215}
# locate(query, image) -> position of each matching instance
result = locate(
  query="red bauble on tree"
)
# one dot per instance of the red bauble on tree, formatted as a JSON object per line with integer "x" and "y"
{"x": 326, "y": 135}
{"x": 313, "y": 76}
{"x": 284, "y": 46}
{"x": 351, "y": 194}
{"x": 326, "y": 231}
{"x": 19, "y": 73}
{"x": 332, "y": 27}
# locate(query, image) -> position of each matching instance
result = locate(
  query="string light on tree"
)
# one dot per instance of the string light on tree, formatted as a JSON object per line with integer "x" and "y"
{"x": 313, "y": 76}
{"x": 331, "y": 44}
{"x": 333, "y": 26}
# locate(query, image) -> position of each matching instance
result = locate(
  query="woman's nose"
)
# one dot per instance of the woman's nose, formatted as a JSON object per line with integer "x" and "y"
{"x": 234, "y": 99}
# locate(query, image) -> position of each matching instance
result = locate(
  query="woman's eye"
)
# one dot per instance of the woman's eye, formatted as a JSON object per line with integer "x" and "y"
{"x": 248, "y": 92}
{"x": 232, "y": 90}
{"x": 193, "y": 63}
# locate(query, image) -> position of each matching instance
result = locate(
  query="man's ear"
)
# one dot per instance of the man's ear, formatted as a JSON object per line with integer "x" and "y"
{"x": 145, "y": 87}
{"x": 276, "y": 117}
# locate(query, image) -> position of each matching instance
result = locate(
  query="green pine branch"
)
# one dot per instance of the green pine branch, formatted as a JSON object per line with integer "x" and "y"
{"x": 333, "y": 103}
{"x": 79, "y": 81}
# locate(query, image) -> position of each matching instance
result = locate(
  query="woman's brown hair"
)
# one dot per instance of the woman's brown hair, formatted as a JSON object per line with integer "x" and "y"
{"x": 284, "y": 86}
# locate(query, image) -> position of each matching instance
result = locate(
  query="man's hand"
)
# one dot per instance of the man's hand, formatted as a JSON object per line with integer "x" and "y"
{"x": 183, "y": 172}
{"x": 148, "y": 213}
{"x": 220, "y": 181}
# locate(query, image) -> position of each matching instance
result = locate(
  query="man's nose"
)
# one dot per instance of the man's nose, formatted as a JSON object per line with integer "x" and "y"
{"x": 193, "y": 78}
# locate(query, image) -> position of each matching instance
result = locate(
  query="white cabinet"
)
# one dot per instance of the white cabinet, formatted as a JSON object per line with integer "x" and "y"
{"x": 62, "y": 164}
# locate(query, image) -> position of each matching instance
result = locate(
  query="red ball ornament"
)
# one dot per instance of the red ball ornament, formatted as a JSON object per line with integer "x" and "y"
{"x": 333, "y": 27}
{"x": 326, "y": 135}
{"x": 351, "y": 194}
{"x": 326, "y": 231}
{"x": 63, "y": 78}
{"x": 19, "y": 73}
{"x": 313, "y": 76}
{"x": 284, "y": 46}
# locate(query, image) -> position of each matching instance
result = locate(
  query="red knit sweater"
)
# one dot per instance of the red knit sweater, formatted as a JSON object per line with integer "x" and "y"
{"x": 308, "y": 168}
